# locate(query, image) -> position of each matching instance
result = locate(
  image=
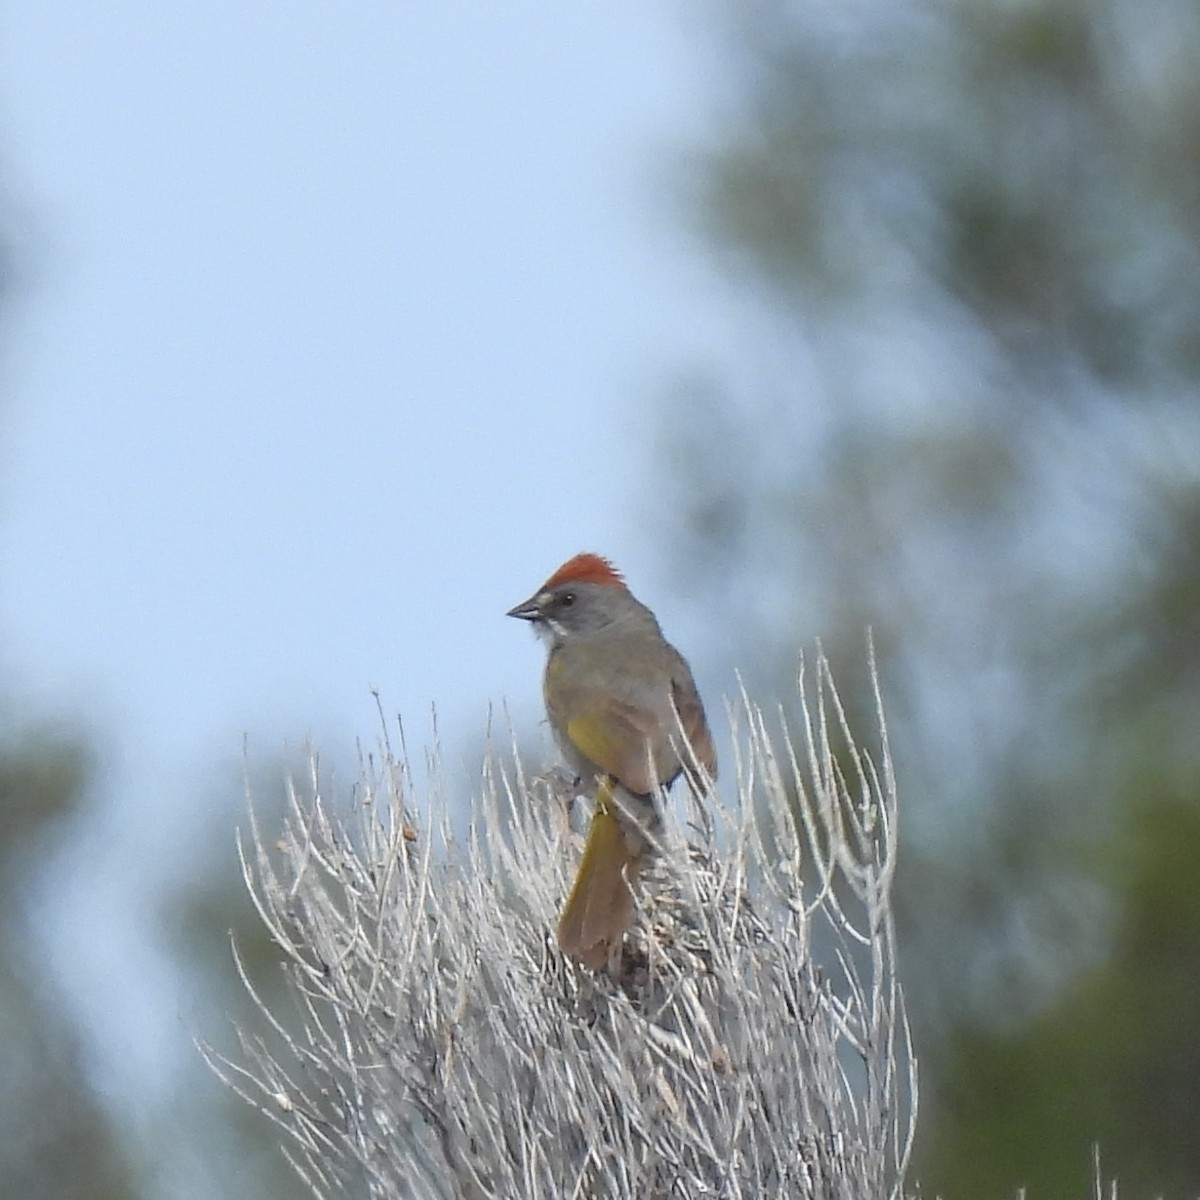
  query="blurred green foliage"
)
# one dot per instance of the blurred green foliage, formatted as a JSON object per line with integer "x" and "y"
{"x": 65, "y": 1135}
{"x": 969, "y": 419}
{"x": 58, "y": 1142}
{"x": 1112, "y": 1061}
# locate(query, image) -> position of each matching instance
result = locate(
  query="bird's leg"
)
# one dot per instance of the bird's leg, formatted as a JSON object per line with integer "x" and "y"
{"x": 639, "y": 816}
{"x": 561, "y": 790}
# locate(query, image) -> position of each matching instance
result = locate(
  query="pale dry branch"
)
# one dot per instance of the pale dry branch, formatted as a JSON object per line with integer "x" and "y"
{"x": 755, "y": 1044}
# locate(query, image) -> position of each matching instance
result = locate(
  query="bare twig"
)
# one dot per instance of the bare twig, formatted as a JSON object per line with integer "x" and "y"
{"x": 756, "y": 1042}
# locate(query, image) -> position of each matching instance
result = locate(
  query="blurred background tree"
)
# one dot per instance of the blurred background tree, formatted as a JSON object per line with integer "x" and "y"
{"x": 972, "y": 235}
{"x": 65, "y": 1134}
{"x": 58, "y": 1143}
{"x": 65, "y": 1137}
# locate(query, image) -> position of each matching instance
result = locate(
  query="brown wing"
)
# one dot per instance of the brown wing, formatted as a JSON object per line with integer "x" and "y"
{"x": 623, "y": 741}
{"x": 636, "y": 743}
{"x": 695, "y": 728}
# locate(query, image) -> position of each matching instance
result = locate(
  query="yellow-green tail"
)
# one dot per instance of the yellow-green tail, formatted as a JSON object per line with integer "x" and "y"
{"x": 600, "y": 907}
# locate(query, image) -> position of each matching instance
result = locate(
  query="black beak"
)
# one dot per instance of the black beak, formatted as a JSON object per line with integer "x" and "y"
{"x": 527, "y": 610}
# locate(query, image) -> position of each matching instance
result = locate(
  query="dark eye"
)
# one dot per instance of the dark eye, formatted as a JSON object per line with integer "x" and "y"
{"x": 566, "y": 599}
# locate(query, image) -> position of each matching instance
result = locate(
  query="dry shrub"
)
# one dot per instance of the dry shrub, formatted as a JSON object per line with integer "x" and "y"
{"x": 754, "y": 1043}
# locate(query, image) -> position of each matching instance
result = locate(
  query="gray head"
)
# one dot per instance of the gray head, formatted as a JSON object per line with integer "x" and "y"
{"x": 585, "y": 596}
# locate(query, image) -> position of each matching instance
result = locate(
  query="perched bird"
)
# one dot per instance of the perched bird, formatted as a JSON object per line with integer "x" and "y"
{"x": 627, "y": 717}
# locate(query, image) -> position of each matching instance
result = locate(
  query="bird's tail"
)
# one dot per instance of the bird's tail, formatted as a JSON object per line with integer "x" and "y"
{"x": 600, "y": 907}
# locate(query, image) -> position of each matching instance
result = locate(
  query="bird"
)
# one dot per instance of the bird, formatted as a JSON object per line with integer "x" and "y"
{"x": 627, "y": 717}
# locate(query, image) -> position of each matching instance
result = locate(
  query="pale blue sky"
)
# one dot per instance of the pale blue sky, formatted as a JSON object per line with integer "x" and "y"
{"x": 343, "y": 326}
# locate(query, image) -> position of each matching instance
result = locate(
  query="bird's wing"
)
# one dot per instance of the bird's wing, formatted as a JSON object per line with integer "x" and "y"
{"x": 695, "y": 728}
{"x": 636, "y": 743}
{"x": 622, "y": 739}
